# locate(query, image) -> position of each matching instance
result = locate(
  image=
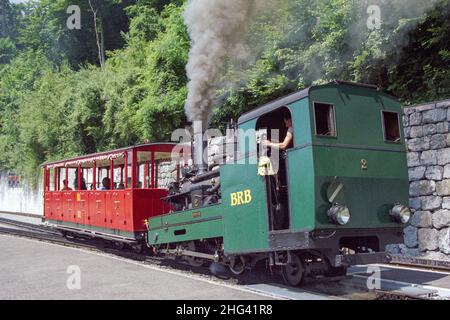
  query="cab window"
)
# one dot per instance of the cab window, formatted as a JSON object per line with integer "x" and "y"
{"x": 325, "y": 119}
{"x": 391, "y": 126}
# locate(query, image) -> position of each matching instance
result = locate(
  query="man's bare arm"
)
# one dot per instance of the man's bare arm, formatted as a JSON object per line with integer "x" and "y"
{"x": 283, "y": 145}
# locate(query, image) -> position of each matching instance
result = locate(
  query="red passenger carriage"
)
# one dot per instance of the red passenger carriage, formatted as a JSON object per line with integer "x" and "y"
{"x": 109, "y": 194}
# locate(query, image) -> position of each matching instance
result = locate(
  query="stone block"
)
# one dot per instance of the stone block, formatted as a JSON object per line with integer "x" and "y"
{"x": 414, "y": 159}
{"x": 415, "y": 203}
{"x": 430, "y": 203}
{"x": 415, "y": 119}
{"x": 416, "y": 132}
{"x": 410, "y": 252}
{"x": 429, "y": 157}
{"x": 446, "y": 203}
{"x": 434, "y": 173}
{"x": 443, "y": 156}
{"x": 443, "y": 188}
{"x": 428, "y": 239}
{"x": 407, "y": 111}
{"x": 425, "y": 107}
{"x": 422, "y": 219}
{"x": 443, "y": 104}
{"x": 438, "y": 141}
{"x": 419, "y": 144}
{"x": 441, "y": 219}
{"x": 444, "y": 240}
{"x": 405, "y": 120}
{"x": 410, "y": 236}
{"x": 417, "y": 173}
{"x": 422, "y": 188}
{"x": 429, "y": 129}
{"x": 393, "y": 248}
{"x": 434, "y": 116}
{"x": 446, "y": 171}
{"x": 443, "y": 127}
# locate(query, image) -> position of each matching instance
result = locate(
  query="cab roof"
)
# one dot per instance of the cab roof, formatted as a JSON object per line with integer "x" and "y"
{"x": 283, "y": 101}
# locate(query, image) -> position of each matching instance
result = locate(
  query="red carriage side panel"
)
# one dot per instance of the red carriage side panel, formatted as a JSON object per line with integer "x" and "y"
{"x": 147, "y": 203}
{"x": 82, "y": 207}
{"x": 97, "y": 212}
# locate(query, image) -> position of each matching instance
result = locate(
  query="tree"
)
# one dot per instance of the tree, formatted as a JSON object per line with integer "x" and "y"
{"x": 99, "y": 34}
{"x": 3, "y": 5}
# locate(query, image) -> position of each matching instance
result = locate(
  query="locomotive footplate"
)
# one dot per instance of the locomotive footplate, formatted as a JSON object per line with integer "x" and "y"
{"x": 362, "y": 259}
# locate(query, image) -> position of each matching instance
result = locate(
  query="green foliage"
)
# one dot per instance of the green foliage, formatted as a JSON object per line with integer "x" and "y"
{"x": 7, "y": 50}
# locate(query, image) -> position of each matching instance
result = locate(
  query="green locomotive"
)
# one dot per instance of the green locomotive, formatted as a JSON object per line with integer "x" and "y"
{"x": 338, "y": 196}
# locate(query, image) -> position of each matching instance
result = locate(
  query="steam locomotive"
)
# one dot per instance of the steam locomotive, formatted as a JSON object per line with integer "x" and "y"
{"x": 336, "y": 198}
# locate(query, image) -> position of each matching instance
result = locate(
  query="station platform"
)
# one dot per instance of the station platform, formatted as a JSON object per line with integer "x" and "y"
{"x": 36, "y": 270}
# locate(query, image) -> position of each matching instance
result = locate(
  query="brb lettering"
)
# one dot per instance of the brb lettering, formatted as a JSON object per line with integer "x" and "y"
{"x": 241, "y": 197}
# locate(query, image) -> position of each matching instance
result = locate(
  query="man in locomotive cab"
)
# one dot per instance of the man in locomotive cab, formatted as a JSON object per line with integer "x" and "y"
{"x": 288, "y": 141}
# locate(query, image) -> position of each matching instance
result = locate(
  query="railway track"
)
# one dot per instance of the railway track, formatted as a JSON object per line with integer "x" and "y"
{"x": 329, "y": 289}
{"x": 421, "y": 263}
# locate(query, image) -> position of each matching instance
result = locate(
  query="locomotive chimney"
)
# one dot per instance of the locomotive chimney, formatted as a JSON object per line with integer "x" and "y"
{"x": 199, "y": 146}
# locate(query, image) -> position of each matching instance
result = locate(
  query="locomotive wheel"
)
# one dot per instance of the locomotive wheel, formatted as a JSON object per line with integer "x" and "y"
{"x": 237, "y": 265}
{"x": 193, "y": 261}
{"x": 137, "y": 248}
{"x": 294, "y": 271}
{"x": 119, "y": 245}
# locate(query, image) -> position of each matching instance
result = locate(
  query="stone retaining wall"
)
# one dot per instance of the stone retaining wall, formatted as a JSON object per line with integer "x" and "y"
{"x": 427, "y": 133}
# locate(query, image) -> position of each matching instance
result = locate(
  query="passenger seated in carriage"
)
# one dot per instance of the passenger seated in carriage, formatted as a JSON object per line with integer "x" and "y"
{"x": 106, "y": 184}
{"x": 66, "y": 186}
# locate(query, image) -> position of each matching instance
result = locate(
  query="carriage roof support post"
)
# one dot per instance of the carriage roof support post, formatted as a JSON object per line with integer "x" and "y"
{"x": 66, "y": 173}
{"x": 79, "y": 177}
{"x": 54, "y": 179}
{"x": 153, "y": 170}
{"x": 111, "y": 179}
{"x": 58, "y": 180}
{"x": 126, "y": 170}
{"x": 133, "y": 169}
{"x": 94, "y": 176}
{"x": 146, "y": 179}
{"x": 46, "y": 171}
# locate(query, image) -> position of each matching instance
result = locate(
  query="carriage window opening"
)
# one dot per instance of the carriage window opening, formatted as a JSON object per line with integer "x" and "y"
{"x": 51, "y": 181}
{"x": 325, "y": 119}
{"x": 144, "y": 170}
{"x": 64, "y": 182}
{"x": 88, "y": 178}
{"x": 103, "y": 179}
{"x": 391, "y": 126}
{"x": 58, "y": 179}
{"x": 119, "y": 174}
{"x": 128, "y": 170}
